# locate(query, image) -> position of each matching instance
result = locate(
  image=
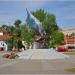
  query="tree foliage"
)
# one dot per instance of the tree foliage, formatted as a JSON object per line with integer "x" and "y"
{"x": 40, "y": 15}
{"x": 49, "y": 23}
{"x": 53, "y": 37}
{"x": 73, "y": 34}
{"x": 26, "y": 34}
{"x": 17, "y": 23}
{"x": 57, "y": 38}
{"x": 48, "y": 20}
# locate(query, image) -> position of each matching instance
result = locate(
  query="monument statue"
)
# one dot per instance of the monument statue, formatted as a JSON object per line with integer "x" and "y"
{"x": 36, "y": 25}
{"x": 39, "y": 50}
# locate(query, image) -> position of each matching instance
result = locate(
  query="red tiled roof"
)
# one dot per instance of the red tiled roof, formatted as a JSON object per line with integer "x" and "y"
{"x": 4, "y": 37}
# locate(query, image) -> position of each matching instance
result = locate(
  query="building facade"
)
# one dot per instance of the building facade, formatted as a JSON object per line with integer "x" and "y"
{"x": 69, "y": 37}
{"x": 3, "y": 38}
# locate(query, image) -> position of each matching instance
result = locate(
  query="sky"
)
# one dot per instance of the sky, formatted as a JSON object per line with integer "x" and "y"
{"x": 64, "y": 10}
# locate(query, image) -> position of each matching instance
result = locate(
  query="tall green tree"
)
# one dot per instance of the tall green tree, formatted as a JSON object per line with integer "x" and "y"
{"x": 40, "y": 14}
{"x": 57, "y": 39}
{"x": 6, "y": 28}
{"x": 17, "y": 23}
{"x": 26, "y": 34}
{"x": 73, "y": 34}
{"x": 10, "y": 31}
{"x": 48, "y": 20}
{"x": 50, "y": 24}
{"x": 17, "y": 31}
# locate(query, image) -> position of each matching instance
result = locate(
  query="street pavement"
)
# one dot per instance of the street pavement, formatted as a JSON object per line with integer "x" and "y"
{"x": 41, "y": 54}
{"x": 28, "y": 66}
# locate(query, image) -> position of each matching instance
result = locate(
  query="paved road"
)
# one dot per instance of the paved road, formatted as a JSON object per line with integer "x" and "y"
{"x": 18, "y": 66}
{"x": 41, "y": 54}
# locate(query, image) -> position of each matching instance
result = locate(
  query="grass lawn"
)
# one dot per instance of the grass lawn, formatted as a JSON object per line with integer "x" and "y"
{"x": 69, "y": 52}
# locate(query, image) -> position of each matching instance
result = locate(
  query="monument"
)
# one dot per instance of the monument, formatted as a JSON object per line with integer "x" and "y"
{"x": 35, "y": 25}
{"x": 39, "y": 50}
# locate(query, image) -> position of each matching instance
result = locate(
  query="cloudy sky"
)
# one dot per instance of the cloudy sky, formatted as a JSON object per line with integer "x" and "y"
{"x": 64, "y": 10}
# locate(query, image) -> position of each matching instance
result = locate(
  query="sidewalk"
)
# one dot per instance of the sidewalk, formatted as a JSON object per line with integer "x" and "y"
{"x": 19, "y": 66}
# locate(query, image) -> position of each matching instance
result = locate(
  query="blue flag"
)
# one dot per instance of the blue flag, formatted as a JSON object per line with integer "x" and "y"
{"x": 34, "y": 23}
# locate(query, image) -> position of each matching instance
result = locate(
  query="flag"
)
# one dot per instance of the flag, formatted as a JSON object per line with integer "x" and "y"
{"x": 34, "y": 23}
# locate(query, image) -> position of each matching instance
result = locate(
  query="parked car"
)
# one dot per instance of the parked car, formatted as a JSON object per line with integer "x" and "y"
{"x": 62, "y": 49}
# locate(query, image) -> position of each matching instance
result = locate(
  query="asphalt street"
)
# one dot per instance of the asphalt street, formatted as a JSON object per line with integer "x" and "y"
{"x": 28, "y": 66}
